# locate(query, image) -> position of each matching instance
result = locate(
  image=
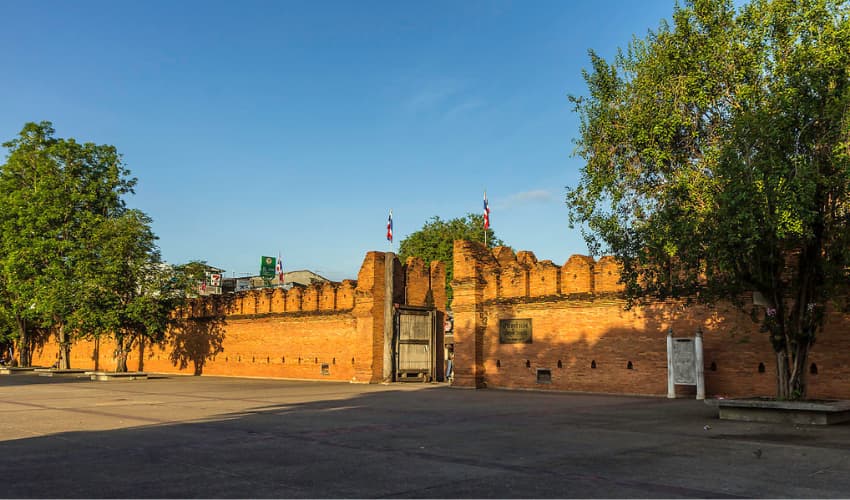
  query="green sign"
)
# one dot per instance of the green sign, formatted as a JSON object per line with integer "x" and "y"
{"x": 267, "y": 267}
{"x": 515, "y": 331}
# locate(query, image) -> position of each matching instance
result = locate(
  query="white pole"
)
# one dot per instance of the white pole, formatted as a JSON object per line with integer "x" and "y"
{"x": 700, "y": 365}
{"x": 671, "y": 386}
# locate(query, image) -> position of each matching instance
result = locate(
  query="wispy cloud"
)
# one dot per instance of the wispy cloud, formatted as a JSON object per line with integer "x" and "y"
{"x": 463, "y": 108}
{"x": 435, "y": 94}
{"x": 444, "y": 97}
{"x": 527, "y": 198}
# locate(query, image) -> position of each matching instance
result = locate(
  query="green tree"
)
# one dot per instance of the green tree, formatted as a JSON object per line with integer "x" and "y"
{"x": 435, "y": 241}
{"x": 717, "y": 161}
{"x": 56, "y": 198}
{"x": 131, "y": 294}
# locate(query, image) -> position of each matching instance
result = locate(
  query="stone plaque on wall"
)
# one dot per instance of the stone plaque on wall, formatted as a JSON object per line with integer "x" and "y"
{"x": 684, "y": 362}
{"x": 515, "y": 331}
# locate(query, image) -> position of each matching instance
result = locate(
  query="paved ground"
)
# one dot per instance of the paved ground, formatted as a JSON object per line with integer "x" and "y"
{"x": 228, "y": 437}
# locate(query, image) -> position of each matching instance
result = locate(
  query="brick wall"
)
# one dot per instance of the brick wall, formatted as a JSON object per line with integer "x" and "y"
{"x": 584, "y": 336}
{"x": 332, "y": 331}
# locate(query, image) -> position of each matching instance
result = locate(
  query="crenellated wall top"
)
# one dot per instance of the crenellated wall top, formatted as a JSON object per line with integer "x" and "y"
{"x": 502, "y": 273}
{"x": 329, "y": 297}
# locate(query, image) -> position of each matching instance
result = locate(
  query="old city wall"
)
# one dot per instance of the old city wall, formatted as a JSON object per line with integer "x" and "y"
{"x": 583, "y": 335}
{"x": 331, "y": 331}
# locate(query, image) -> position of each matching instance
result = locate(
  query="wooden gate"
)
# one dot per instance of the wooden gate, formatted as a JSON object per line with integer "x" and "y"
{"x": 415, "y": 350}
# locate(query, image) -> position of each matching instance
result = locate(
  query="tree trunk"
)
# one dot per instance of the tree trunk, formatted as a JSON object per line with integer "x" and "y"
{"x": 64, "y": 348}
{"x": 24, "y": 354}
{"x": 142, "y": 354}
{"x": 791, "y": 373}
{"x": 797, "y": 379}
{"x": 782, "y": 375}
{"x": 96, "y": 354}
{"x": 120, "y": 355}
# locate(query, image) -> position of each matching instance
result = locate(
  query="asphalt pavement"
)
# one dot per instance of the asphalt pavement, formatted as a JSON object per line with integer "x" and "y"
{"x": 215, "y": 437}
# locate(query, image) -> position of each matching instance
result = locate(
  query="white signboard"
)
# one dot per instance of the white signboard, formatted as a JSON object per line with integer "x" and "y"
{"x": 684, "y": 363}
{"x": 243, "y": 284}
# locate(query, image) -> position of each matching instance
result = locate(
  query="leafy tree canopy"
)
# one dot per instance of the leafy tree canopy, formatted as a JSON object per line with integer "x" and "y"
{"x": 435, "y": 241}
{"x": 74, "y": 260}
{"x": 717, "y": 161}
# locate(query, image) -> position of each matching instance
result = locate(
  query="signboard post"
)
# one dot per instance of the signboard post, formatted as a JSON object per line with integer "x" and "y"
{"x": 685, "y": 363}
{"x": 267, "y": 269}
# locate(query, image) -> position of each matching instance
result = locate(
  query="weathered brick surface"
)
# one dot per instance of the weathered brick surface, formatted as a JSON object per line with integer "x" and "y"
{"x": 293, "y": 299}
{"x": 587, "y": 339}
{"x": 526, "y": 258}
{"x": 417, "y": 281}
{"x": 544, "y": 279}
{"x": 264, "y": 301}
{"x": 437, "y": 271}
{"x": 513, "y": 280}
{"x": 327, "y": 296}
{"x": 345, "y": 295}
{"x": 274, "y": 333}
{"x": 577, "y": 275}
{"x": 606, "y": 276}
{"x": 370, "y": 306}
{"x": 310, "y": 298}
{"x": 279, "y": 300}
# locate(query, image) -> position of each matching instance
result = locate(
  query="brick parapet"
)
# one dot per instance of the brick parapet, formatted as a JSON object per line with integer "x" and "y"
{"x": 417, "y": 282}
{"x": 506, "y": 274}
{"x": 323, "y": 323}
{"x": 437, "y": 272}
{"x": 587, "y": 340}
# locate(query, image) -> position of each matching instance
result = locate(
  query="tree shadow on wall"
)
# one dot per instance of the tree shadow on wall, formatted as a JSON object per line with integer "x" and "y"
{"x": 195, "y": 340}
{"x": 613, "y": 350}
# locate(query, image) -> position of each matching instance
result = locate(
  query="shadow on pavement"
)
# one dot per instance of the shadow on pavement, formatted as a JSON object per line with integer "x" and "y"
{"x": 326, "y": 440}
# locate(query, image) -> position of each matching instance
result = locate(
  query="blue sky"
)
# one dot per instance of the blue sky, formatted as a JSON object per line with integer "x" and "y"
{"x": 280, "y": 126}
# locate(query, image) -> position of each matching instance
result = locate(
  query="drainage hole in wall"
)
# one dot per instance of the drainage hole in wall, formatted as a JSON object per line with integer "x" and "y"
{"x": 593, "y": 364}
{"x": 761, "y": 367}
{"x": 544, "y": 376}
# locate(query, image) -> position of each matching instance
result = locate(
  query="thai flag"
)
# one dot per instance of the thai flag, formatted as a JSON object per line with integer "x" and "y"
{"x": 486, "y": 212}
{"x": 278, "y": 268}
{"x": 390, "y": 227}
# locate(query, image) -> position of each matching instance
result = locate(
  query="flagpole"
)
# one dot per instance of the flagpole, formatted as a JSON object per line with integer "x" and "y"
{"x": 485, "y": 222}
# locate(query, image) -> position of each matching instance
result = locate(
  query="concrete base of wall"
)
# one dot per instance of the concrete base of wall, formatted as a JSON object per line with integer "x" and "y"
{"x": 11, "y": 370}
{"x": 106, "y": 376}
{"x": 49, "y": 372}
{"x": 789, "y": 412}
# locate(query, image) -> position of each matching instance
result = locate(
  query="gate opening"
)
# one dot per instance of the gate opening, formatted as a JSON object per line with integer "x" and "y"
{"x": 415, "y": 344}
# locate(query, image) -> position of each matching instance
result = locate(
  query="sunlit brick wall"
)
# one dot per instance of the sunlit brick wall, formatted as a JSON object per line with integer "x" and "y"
{"x": 589, "y": 342}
